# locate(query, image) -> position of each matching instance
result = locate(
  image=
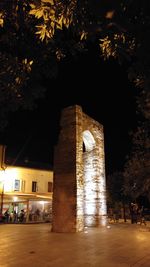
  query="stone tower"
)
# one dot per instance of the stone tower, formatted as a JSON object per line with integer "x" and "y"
{"x": 79, "y": 193}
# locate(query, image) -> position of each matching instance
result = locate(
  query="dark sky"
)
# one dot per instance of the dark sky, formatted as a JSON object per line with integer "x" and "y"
{"x": 103, "y": 91}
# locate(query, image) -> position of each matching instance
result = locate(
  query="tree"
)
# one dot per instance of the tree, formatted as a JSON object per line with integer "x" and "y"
{"x": 137, "y": 167}
{"x": 114, "y": 187}
{"x": 122, "y": 28}
{"x": 36, "y": 34}
{"x": 115, "y": 191}
{"x": 24, "y": 60}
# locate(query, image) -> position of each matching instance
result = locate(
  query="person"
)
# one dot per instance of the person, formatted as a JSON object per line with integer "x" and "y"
{"x": 133, "y": 212}
{"x": 1, "y": 217}
{"x": 6, "y": 215}
{"x": 21, "y": 217}
{"x": 142, "y": 216}
{"x": 37, "y": 213}
{"x": 15, "y": 216}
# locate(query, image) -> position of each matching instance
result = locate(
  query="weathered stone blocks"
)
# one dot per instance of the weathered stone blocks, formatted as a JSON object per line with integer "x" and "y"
{"x": 79, "y": 196}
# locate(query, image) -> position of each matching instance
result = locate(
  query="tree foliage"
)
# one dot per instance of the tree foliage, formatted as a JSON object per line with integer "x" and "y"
{"x": 137, "y": 168}
{"x": 115, "y": 183}
{"x": 36, "y": 34}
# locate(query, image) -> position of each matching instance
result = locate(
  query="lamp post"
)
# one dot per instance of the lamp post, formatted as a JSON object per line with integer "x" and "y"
{"x": 2, "y": 169}
{"x": 2, "y": 198}
{"x": 2, "y": 180}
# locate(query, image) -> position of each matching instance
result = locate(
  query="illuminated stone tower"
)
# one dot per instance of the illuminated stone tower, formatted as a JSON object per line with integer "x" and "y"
{"x": 79, "y": 195}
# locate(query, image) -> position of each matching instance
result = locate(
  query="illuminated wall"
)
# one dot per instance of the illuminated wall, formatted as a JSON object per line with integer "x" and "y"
{"x": 25, "y": 176}
{"x": 94, "y": 179}
{"x": 79, "y": 195}
{"x": 16, "y": 190}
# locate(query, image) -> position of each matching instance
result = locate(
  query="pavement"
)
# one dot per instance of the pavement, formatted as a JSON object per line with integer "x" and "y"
{"x": 115, "y": 245}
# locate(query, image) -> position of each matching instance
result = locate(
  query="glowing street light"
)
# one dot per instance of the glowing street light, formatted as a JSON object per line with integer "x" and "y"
{"x": 2, "y": 174}
{"x": 2, "y": 177}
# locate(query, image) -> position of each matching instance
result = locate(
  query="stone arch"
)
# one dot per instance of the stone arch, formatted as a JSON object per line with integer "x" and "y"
{"x": 88, "y": 140}
{"x": 79, "y": 196}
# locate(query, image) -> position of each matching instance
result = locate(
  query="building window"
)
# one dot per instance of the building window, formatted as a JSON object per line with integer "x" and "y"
{"x": 34, "y": 186}
{"x": 17, "y": 185}
{"x": 23, "y": 185}
{"x": 50, "y": 186}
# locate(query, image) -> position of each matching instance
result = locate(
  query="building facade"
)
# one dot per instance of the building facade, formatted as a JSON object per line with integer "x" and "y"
{"x": 26, "y": 191}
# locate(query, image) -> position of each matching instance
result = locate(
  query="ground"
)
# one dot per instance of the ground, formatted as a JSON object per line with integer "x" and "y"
{"x": 115, "y": 245}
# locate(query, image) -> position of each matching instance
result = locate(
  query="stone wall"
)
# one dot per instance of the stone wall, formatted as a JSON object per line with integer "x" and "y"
{"x": 79, "y": 194}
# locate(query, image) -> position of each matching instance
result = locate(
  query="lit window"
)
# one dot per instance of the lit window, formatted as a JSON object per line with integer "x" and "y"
{"x": 17, "y": 185}
{"x": 34, "y": 186}
{"x": 50, "y": 186}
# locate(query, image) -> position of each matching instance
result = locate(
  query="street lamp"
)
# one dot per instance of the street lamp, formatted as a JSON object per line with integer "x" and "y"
{"x": 2, "y": 198}
{"x": 2, "y": 189}
{"x": 2, "y": 174}
{"x": 2, "y": 182}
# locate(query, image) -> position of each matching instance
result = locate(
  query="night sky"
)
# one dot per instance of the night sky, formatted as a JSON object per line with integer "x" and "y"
{"x": 105, "y": 94}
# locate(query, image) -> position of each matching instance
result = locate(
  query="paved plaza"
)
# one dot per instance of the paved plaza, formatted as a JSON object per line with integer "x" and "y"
{"x": 117, "y": 245}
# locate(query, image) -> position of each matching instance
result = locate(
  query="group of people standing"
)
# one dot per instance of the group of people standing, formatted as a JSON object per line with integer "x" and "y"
{"x": 13, "y": 216}
{"x": 134, "y": 212}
